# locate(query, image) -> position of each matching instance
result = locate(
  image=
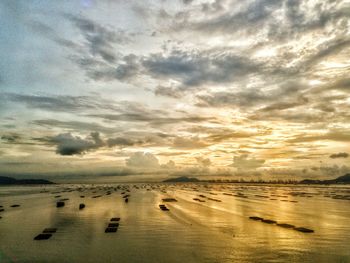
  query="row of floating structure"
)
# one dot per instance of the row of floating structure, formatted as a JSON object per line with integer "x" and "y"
{"x": 284, "y": 225}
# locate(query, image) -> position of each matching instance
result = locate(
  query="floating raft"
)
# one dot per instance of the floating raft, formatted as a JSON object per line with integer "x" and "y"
{"x": 163, "y": 208}
{"x": 60, "y": 204}
{"x": 169, "y": 200}
{"x": 44, "y": 236}
{"x": 111, "y": 229}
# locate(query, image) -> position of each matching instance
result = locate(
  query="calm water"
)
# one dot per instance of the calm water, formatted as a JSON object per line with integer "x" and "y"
{"x": 192, "y": 231}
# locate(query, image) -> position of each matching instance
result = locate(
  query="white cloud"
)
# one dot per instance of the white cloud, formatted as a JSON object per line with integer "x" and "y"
{"x": 142, "y": 160}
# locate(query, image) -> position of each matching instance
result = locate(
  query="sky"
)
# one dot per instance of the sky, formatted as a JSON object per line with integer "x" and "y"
{"x": 146, "y": 90}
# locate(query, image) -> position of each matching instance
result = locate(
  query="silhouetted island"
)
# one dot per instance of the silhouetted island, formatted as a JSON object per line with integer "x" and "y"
{"x": 12, "y": 181}
{"x": 182, "y": 179}
{"x": 345, "y": 179}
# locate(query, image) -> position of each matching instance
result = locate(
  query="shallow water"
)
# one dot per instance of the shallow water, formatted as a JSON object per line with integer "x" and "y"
{"x": 191, "y": 231}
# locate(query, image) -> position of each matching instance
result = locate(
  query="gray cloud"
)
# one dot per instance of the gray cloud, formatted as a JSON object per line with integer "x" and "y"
{"x": 262, "y": 16}
{"x": 189, "y": 143}
{"x": 243, "y": 162}
{"x": 186, "y": 2}
{"x": 155, "y": 119}
{"x": 204, "y": 162}
{"x": 100, "y": 40}
{"x": 126, "y": 70}
{"x": 120, "y": 141}
{"x": 326, "y": 50}
{"x": 253, "y": 97}
{"x": 54, "y": 103}
{"x": 172, "y": 92}
{"x": 232, "y": 99}
{"x": 47, "y": 31}
{"x": 75, "y": 125}
{"x": 67, "y": 103}
{"x": 10, "y": 138}
{"x": 285, "y": 105}
{"x": 254, "y": 15}
{"x": 170, "y": 165}
{"x": 191, "y": 69}
{"x": 332, "y": 135}
{"x": 196, "y": 69}
{"x": 334, "y": 170}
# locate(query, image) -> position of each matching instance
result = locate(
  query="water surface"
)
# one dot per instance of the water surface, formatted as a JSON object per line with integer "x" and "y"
{"x": 215, "y": 227}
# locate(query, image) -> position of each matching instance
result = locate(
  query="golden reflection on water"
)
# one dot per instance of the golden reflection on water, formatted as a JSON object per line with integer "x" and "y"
{"x": 215, "y": 229}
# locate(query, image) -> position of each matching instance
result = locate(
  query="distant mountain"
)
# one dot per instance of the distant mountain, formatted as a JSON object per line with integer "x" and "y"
{"x": 9, "y": 180}
{"x": 345, "y": 179}
{"x": 182, "y": 179}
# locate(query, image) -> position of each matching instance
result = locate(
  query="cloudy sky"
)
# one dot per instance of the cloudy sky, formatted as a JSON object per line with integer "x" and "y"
{"x": 222, "y": 88}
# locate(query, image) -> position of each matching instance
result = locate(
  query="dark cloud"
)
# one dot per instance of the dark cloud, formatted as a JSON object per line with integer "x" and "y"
{"x": 67, "y": 144}
{"x": 339, "y": 155}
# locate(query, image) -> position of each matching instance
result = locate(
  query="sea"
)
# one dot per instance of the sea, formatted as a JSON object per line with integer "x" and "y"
{"x": 196, "y": 222}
